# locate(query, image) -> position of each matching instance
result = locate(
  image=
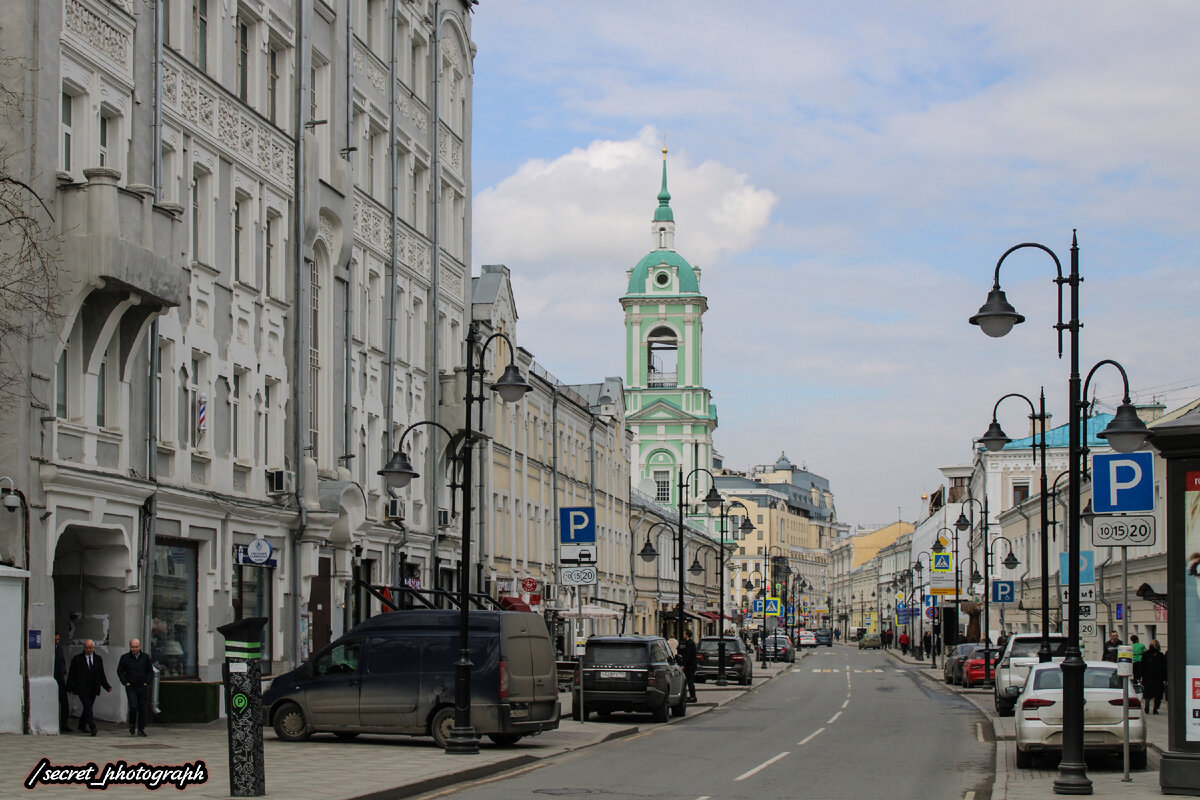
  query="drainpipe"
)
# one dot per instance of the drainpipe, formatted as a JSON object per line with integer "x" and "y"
{"x": 554, "y": 480}
{"x": 351, "y": 450}
{"x": 300, "y": 378}
{"x": 389, "y": 400}
{"x": 434, "y": 397}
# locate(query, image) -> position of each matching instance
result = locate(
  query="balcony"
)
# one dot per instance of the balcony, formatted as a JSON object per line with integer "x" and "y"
{"x": 661, "y": 380}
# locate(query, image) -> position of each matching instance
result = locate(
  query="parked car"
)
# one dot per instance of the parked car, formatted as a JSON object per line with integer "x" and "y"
{"x": 1020, "y": 653}
{"x": 628, "y": 673}
{"x": 738, "y": 664}
{"x": 394, "y": 674}
{"x": 779, "y": 648}
{"x": 824, "y": 636}
{"x": 869, "y": 640}
{"x": 952, "y": 666}
{"x": 1039, "y": 725}
{"x": 978, "y": 672}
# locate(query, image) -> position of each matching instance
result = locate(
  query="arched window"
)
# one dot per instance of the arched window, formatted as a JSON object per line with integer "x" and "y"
{"x": 662, "y": 350}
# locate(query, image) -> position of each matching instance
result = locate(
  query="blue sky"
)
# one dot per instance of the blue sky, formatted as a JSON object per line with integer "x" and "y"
{"x": 846, "y": 175}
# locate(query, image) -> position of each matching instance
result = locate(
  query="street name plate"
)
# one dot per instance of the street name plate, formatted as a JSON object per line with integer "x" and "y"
{"x": 577, "y": 576}
{"x": 1134, "y": 530}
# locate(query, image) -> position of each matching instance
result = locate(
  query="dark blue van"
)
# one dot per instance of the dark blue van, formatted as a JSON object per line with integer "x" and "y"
{"x": 394, "y": 674}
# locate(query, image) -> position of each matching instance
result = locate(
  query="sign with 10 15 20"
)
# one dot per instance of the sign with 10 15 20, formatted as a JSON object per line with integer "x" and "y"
{"x": 577, "y": 576}
{"x": 1134, "y": 530}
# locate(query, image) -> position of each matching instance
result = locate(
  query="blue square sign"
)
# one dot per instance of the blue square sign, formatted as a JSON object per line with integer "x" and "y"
{"x": 1122, "y": 483}
{"x": 577, "y": 525}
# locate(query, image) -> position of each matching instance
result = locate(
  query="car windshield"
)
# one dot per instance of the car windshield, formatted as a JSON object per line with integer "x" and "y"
{"x": 1026, "y": 648}
{"x": 714, "y": 645}
{"x": 627, "y": 654}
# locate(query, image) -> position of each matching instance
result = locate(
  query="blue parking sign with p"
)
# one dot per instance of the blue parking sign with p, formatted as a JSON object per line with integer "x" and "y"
{"x": 577, "y": 525}
{"x": 1122, "y": 483}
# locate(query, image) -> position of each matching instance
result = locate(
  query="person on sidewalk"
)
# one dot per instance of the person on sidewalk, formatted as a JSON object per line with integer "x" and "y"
{"x": 687, "y": 654}
{"x": 1139, "y": 650}
{"x": 1154, "y": 675}
{"x": 926, "y": 643}
{"x": 86, "y": 678}
{"x": 904, "y": 642}
{"x": 60, "y": 678}
{"x": 135, "y": 672}
{"x": 1110, "y": 647}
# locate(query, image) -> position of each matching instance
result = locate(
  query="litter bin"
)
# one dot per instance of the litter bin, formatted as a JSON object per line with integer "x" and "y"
{"x": 242, "y": 676}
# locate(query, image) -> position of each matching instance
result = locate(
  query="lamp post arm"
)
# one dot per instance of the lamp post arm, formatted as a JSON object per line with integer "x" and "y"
{"x": 1124, "y": 377}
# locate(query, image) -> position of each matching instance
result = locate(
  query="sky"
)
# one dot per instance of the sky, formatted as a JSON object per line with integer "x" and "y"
{"x": 846, "y": 176}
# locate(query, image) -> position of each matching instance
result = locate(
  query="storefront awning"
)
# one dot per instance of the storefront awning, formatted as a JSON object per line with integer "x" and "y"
{"x": 514, "y": 604}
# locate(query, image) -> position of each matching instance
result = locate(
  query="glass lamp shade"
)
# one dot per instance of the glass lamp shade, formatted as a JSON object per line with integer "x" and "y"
{"x": 996, "y": 317}
{"x": 512, "y": 385}
{"x": 1125, "y": 432}
{"x": 648, "y": 553}
{"x": 1011, "y": 562}
{"x": 994, "y": 440}
{"x": 398, "y": 472}
{"x": 696, "y": 568}
{"x": 747, "y": 527}
{"x": 713, "y": 499}
{"x": 962, "y": 523}
{"x": 975, "y": 576}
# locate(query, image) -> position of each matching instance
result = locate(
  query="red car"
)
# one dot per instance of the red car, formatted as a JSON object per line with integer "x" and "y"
{"x": 974, "y": 671}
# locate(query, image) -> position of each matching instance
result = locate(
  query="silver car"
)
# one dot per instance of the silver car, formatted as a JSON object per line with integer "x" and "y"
{"x": 1039, "y": 717}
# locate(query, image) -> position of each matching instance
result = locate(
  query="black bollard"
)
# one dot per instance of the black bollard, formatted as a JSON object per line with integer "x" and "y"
{"x": 242, "y": 675}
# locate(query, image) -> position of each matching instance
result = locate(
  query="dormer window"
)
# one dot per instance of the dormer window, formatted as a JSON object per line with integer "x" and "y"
{"x": 662, "y": 278}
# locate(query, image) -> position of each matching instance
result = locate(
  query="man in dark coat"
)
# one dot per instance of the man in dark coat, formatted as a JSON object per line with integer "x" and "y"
{"x": 60, "y": 678}
{"x": 86, "y": 678}
{"x": 1154, "y": 675}
{"x": 687, "y": 655}
{"x": 135, "y": 672}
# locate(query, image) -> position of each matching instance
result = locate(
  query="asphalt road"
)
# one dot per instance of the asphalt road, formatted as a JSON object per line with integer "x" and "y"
{"x": 841, "y": 724}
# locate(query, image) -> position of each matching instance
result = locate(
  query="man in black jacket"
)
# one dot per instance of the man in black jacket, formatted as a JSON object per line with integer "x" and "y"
{"x": 86, "y": 678}
{"x": 687, "y": 656}
{"x": 135, "y": 672}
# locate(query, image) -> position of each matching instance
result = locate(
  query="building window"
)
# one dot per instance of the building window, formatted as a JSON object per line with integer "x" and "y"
{"x": 62, "y": 394}
{"x": 106, "y": 124}
{"x": 200, "y": 34}
{"x": 201, "y": 209}
{"x": 252, "y": 598}
{"x": 237, "y": 428}
{"x": 102, "y": 393}
{"x": 314, "y": 356}
{"x": 662, "y": 486}
{"x": 1020, "y": 493}
{"x": 197, "y": 401}
{"x": 270, "y": 425}
{"x": 68, "y": 132}
{"x": 243, "y": 59}
{"x": 165, "y": 395}
{"x": 273, "y": 84}
{"x": 173, "y": 627}
{"x": 241, "y": 245}
{"x": 270, "y": 245}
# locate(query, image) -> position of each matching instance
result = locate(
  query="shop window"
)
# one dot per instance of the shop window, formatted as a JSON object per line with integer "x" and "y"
{"x": 252, "y": 598}
{"x": 173, "y": 627}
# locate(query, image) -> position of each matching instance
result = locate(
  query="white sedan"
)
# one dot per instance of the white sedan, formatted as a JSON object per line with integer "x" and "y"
{"x": 806, "y": 639}
{"x": 1039, "y": 714}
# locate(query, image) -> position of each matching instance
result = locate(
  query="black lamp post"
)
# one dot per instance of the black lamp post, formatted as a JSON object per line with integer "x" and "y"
{"x": 712, "y": 500}
{"x": 937, "y": 548}
{"x": 648, "y": 553}
{"x": 511, "y": 387}
{"x": 745, "y": 528}
{"x": 749, "y": 586}
{"x": 994, "y": 440}
{"x": 964, "y": 524}
{"x": 996, "y": 318}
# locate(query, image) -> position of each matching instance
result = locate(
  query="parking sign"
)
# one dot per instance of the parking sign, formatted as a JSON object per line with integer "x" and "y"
{"x": 577, "y": 525}
{"x": 1122, "y": 482}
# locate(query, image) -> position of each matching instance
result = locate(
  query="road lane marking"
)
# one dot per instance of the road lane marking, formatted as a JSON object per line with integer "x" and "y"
{"x": 833, "y": 719}
{"x": 810, "y": 737}
{"x": 762, "y": 766}
{"x": 979, "y": 731}
{"x": 846, "y": 703}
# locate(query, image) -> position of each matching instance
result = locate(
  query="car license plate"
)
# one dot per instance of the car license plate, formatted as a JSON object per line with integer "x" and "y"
{"x": 605, "y": 673}
{"x": 519, "y": 713}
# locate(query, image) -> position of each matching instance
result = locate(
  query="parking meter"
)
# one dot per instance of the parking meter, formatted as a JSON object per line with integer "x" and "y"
{"x": 242, "y": 676}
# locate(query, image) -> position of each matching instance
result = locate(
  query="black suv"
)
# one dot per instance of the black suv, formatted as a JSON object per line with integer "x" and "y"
{"x": 629, "y": 673}
{"x": 739, "y": 666}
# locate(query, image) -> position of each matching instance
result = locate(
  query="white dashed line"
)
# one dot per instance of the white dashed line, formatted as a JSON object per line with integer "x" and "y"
{"x": 846, "y": 703}
{"x": 761, "y": 766}
{"x": 833, "y": 719}
{"x": 810, "y": 737}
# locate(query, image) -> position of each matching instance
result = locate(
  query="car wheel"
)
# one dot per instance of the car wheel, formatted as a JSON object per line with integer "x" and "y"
{"x": 1024, "y": 759}
{"x": 346, "y": 735}
{"x": 680, "y": 708}
{"x": 290, "y": 724}
{"x": 504, "y": 739}
{"x": 1137, "y": 759}
{"x": 663, "y": 712}
{"x": 441, "y": 724}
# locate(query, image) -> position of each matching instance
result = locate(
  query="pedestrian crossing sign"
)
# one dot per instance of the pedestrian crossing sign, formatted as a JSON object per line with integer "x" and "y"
{"x": 943, "y": 562}
{"x": 772, "y": 606}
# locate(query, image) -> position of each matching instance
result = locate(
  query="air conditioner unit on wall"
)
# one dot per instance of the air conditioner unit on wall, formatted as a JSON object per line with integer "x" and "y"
{"x": 281, "y": 481}
{"x": 395, "y": 509}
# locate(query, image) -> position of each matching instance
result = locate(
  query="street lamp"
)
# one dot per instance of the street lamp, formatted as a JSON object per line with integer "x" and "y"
{"x": 1010, "y": 563}
{"x": 712, "y": 500}
{"x": 511, "y": 387}
{"x": 744, "y": 530}
{"x": 749, "y": 586}
{"x": 996, "y": 318}
{"x": 937, "y": 548}
{"x": 964, "y": 524}
{"x": 933, "y": 633}
{"x": 994, "y": 440}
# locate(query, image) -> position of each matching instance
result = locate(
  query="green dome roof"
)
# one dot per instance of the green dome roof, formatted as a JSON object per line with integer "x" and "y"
{"x": 687, "y": 276}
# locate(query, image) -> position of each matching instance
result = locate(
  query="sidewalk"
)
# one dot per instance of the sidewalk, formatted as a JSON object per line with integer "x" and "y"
{"x": 1012, "y": 783}
{"x": 326, "y": 768}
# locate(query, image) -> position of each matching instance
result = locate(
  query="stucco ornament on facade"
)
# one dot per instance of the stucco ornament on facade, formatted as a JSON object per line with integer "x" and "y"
{"x": 114, "y": 44}
{"x": 365, "y": 64}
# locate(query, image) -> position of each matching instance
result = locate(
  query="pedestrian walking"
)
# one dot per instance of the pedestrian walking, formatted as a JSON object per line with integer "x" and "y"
{"x": 1139, "y": 650}
{"x": 1110, "y": 647}
{"x": 1002, "y": 640}
{"x": 904, "y": 642}
{"x": 135, "y": 672}
{"x": 837, "y": 634}
{"x": 673, "y": 643}
{"x": 86, "y": 678}
{"x": 60, "y": 678}
{"x": 687, "y": 654}
{"x": 1154, "y": 675}
{"x": 926, "y": 643}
